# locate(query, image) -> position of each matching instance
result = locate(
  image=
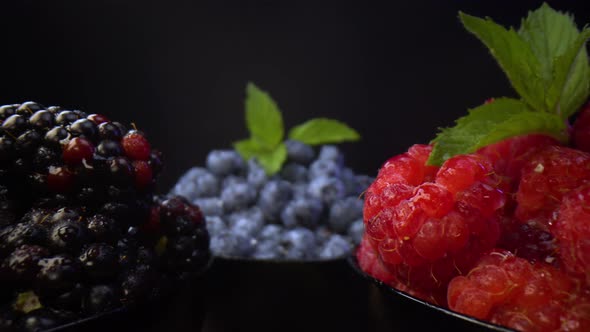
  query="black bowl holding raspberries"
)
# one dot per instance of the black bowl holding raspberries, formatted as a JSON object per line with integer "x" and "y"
{"x": 81, "y": 231}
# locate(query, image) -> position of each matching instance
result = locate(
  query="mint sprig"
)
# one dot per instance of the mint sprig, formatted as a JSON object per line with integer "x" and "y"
{"x": 547, "y": 64}
{"x": 265, "y": 124}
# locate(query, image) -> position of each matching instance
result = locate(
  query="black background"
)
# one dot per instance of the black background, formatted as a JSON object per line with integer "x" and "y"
{"x": 395, "y": 71}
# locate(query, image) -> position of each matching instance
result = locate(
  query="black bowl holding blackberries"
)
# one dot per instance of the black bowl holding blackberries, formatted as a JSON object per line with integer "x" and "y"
{"x": 82, "y": 233}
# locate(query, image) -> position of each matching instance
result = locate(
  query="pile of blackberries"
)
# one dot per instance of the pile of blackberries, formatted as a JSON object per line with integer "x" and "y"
{"x": 81, "y": 231}
{"x": 311, "y": 209}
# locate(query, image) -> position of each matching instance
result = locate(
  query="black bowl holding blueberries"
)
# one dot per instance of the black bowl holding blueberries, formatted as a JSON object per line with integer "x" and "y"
{"x": 281, "y": 240}
{"x": 395, "y": 310}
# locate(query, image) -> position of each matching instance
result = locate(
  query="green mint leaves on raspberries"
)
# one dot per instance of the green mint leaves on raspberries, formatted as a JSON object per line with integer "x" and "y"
{"x": 265, "y": 124}
{"x": 547, "y": 64}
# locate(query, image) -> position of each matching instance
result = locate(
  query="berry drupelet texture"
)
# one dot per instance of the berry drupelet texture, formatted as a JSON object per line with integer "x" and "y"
{"x": 80, "y": 229}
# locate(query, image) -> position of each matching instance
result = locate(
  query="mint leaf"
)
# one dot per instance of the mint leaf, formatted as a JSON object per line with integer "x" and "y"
{"x": 514, "y": 56}
{"x": 248, "y": 148}
{"x": 323, "y": 131}
{"x": 570, "y": 87}
{"x": 490, "y": 123}
{"x": 549, "y": 34}
{"x": 263, "y": 118}
{"x": 273, "y": 160}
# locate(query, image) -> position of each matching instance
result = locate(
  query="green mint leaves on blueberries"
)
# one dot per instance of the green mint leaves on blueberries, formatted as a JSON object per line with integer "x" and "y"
{"x": 265, "y": 124}
{"x": 547, "y": 64}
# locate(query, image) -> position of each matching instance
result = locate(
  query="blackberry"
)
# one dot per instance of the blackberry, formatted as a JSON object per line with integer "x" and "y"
{"x": 69, "y": 152}
{"x": 23, "y": 263}
{"x": 77, "y": 235}
{"x": 67, "y": 235}
{"x": 57, "y": 274}
{"x": 40, "y": 320}
{"x": 187, "y": 239}
{"x": 101, "y": 298}
{"x": 99, "y": 261}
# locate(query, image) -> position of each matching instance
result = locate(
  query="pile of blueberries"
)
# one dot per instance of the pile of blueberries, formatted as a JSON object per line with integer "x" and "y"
{"x": 312, "y": 209}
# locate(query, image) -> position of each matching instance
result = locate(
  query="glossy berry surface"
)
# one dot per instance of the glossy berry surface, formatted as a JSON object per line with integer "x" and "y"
{"x": 304, "y": 212}
{"x": 510, "y": 291}
{"x": 546, "y": 178}
{"x": 422, "y": 220}
{"x": 76, "y": 195}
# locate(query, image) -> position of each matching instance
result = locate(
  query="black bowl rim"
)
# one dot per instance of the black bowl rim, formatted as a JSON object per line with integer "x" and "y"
{"x": 353, "y": 262}
{"x": 121, "y": 309}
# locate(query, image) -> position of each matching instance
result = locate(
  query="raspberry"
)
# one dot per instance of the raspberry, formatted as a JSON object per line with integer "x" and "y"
{"x": 547, "y": 177}
{"x": 510, "y": 291}
{"x": 581, "y": 130}
{"x": 371, "y": 263}
{"x": 530, "y": 241}
{"x": 509, "y": 156}
{"x": 428, "y": 224}
{"x": 572, "y": 232}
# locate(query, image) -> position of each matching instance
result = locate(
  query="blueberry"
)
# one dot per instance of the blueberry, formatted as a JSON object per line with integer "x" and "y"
{"x": 302, "y": 212}
{"x": 331, "y": 152}
{"x": 195, "y": 183}
{"x": 323, "y": 234}
{"x": 299, "y": 243}
{"x": 363, "y": 182}
{"x": 293, "y": 172}
{"x": 337, "y": 246}
{"x": 299, "y": 152}
{"x": 299, "y": 190}
{"x": 271, "y": 232}
{"x": 267, "y": 249}
{"x": 237, "y": 197}
{"x": 349, "y": 179}
{"x": 227, "y": 244}
{"x": 232, "y": 180}
{"x": 254, "y": 213}
{"x": 224, "y": 162}
{"x": 322, "y": 167}
{"x": 247, "y": 227}
{"x": 256, "y": 174}
{"x": 210, "y": 206}
{"x": 215, "y": 225}
{"x": 356, "y": 230}
{"x": 327, "y": 189}
{"x": 344, "y": 212}
{"x": 355, "y": 184}
{"x": 274, "y": 196}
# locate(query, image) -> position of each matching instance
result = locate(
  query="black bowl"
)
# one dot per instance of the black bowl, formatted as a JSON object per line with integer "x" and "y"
{"x": 182, "y": 309}
{"x": 394, "y": 310}
{"x": 273, "y": 295}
